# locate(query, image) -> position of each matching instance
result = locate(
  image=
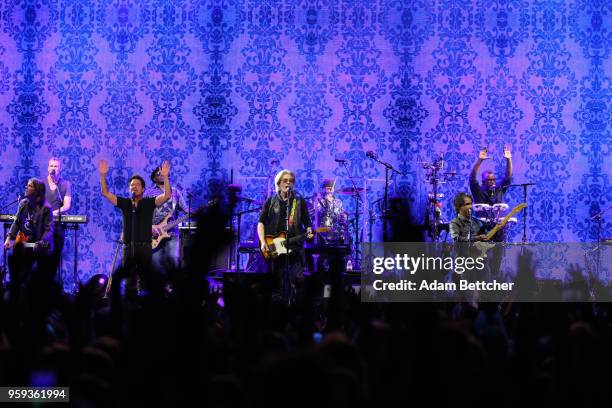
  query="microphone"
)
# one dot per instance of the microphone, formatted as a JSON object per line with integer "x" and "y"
{"x": 52, "y": 172}
{"x": 340, "y": 160}
{"x": 132, "y": 195}
{"x": 371, "y": 154}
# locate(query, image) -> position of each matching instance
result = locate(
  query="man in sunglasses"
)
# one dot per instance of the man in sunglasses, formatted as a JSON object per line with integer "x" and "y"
{"x": 287, "y": 212}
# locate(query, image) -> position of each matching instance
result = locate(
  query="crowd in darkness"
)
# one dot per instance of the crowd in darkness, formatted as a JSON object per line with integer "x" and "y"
{"x": 200, "y": 347}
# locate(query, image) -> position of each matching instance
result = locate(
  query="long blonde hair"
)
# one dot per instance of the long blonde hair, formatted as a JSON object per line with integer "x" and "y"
{"x": 280, "y": 175}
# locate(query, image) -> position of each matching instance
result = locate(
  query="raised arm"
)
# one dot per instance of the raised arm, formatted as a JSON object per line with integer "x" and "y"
{"x": 482, "y": 156}
{"x": 165, "y": 171}
{"x": 103, "y": 167}
{"x": 508, "y": 156}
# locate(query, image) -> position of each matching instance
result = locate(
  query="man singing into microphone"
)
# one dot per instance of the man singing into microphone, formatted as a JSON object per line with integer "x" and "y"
{"x": 137, "y": 213}
{"x": 465, "y": 227}
{"x": 58, "y": 194}
{"x": 285, "y": 207}
{"x": 489, "y": 192}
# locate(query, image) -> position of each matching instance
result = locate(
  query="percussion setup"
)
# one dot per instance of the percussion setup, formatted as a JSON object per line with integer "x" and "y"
{"x": 493, "y": 213}
{"x": 435, "y": 222}
{"x": 343, "y": 230}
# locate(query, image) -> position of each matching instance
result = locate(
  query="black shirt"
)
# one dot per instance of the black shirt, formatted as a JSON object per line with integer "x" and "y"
{"x": 55, "y": 198}
{"x": 144, "y": 219}
{"x": 274, "y": 212}
{"x": 488, "y": 196}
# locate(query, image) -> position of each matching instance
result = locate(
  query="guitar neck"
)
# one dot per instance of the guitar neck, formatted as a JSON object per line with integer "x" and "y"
{"x": 176, "y": 222}
{"x": 505, "y": 220}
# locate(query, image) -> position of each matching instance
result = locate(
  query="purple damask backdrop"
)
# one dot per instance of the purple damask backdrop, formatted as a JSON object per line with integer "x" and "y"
{"x": 221, "y": 88}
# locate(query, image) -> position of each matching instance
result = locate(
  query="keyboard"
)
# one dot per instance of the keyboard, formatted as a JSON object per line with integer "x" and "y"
{"x": 66, "y": 219}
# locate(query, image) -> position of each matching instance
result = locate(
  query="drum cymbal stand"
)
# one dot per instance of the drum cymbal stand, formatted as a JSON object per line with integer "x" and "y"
{"x": 357, "y": 196}
{"x": 435, "y": 177}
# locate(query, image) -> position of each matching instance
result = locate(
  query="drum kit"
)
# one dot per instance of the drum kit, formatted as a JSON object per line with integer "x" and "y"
{"x": 325, "y": 210}
{"x": 328, "y": 211}
{"x": 493, "y": 213}
{"x": 435, "y": 175}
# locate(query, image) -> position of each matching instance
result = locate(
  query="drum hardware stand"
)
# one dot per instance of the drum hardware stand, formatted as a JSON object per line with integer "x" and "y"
{"x": 597, "y": 217}
{"x": 356, "y": 196}
{"x": 233, "y": 190}
{"x": 75, "y": 273}
{"x": 189, "y": 197}
{"x": 388, "y": 168}
{"x": 524, "y": 185}
{"x": 434, "y": 178}
{"x": 372, "y": 218}
{"x": 237, "y": 241}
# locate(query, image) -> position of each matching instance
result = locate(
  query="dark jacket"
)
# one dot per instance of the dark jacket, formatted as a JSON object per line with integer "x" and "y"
{"x": 35, "y": 222}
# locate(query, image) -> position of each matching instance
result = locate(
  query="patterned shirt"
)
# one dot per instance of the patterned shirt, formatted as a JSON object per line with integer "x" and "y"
{"x": 172, "y": 206}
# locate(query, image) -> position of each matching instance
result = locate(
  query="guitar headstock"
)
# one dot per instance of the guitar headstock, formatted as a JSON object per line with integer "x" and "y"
{"x": 518, "y": 208}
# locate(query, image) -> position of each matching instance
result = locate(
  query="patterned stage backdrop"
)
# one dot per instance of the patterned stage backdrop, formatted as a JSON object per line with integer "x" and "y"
{"x": 221, "y": 88}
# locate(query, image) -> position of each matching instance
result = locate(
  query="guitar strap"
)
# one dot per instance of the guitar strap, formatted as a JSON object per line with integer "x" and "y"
{"x": 292, "y": 215}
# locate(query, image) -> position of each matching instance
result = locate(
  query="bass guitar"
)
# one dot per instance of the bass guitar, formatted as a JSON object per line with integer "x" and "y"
{"x": 162, "y": 230}
{"x": 163, "y": 227}
{"x": 277, "y": 244}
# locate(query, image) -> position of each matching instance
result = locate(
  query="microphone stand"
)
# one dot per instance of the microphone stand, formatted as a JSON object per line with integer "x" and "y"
{"x": 133, "y": 240}
{"x": 286, "y": 279}
{"x": 75, "y": 277}
{"x": 524, "y": 185}
{"x": 6, "y": 227}
{"x": 388, "y": 168}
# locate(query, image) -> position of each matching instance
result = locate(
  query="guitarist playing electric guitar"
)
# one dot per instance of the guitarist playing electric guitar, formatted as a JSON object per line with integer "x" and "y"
{"x": 32, "y": 228}
{"x": 166, "y": 240}
{"x": 286, "y": 212}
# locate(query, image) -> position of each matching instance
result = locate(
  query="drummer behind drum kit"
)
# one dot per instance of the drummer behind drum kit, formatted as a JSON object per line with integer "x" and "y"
{"x": 494, "y": 214}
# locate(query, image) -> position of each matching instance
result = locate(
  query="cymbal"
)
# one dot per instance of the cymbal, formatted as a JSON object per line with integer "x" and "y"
{"x": 350, "y": 190}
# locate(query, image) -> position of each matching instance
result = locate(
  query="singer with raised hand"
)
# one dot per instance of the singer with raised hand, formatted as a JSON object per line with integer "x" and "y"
{"x": 489, "y": 192}
{"x": 286, "y": 212}
{"x": 58, "y": 194}
{"x": 137, "y": 214}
